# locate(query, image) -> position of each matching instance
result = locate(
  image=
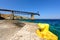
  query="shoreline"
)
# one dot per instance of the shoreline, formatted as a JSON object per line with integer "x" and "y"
{"x": 17, "y": 32}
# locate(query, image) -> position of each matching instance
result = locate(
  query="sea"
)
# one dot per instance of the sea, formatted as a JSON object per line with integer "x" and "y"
{"x": 54, "y": 24}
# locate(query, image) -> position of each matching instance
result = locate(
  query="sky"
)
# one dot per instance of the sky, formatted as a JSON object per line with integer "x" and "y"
{"x": 48, "y": 9}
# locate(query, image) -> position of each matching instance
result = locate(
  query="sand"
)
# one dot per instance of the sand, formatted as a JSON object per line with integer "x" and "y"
{"x": 14, "y": 30}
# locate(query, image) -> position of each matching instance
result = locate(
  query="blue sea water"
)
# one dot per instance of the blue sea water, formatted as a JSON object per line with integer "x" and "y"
{"x": 54, "y": 24}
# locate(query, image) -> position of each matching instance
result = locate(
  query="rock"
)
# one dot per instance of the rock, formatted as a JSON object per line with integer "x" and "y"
{"x": 11, "y": 31}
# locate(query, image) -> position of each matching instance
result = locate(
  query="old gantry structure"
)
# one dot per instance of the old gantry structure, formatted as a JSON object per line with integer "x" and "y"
{"x": 17, "y": 12}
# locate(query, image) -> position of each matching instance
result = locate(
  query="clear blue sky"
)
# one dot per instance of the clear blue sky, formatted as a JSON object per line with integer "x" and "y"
{"x": 49, "y": 9}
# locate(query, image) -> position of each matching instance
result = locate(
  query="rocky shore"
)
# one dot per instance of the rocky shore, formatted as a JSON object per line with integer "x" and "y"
{"x": 15, "y": 30}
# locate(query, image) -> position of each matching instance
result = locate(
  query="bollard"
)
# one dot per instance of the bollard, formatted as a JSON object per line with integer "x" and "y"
{"x": 43, "y": 32}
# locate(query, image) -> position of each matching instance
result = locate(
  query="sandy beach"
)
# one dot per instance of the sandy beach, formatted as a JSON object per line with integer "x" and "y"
{"x": 15, "y": 30}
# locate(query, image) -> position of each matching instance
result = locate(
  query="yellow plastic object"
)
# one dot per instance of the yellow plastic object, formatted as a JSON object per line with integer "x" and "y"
{"x": 43, "y": 32}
